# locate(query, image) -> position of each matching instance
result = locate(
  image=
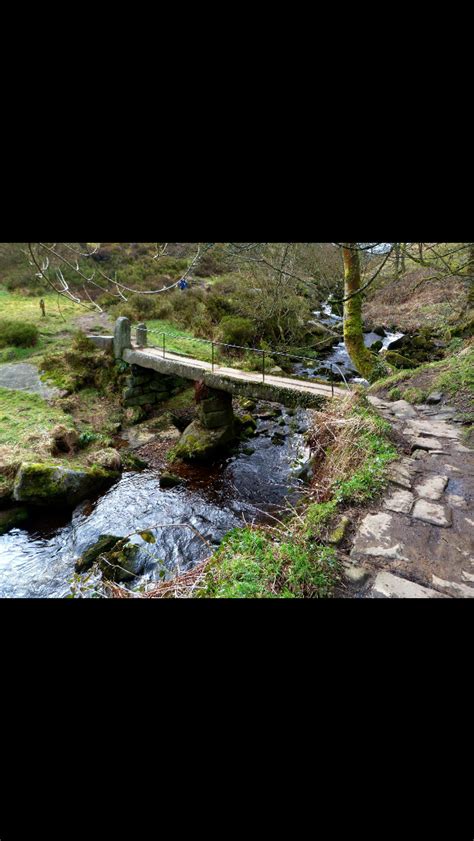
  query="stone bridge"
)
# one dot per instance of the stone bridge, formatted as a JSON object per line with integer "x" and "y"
{"x": 288, "y": 391}
{"x": 155, "y": 374}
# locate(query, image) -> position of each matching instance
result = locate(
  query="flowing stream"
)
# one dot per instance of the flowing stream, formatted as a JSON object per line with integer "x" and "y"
{"x": 38, "y": 561}
{"x": 337, "y": 360}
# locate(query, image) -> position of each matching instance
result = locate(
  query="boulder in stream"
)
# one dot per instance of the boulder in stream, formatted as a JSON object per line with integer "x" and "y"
{"x": 199, "y": 444}
{"x": 43, "y": 484}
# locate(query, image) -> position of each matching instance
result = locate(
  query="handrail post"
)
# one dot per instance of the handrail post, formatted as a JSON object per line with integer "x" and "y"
{"x": 164, "y": 345}
{"x": 263, "y": 366}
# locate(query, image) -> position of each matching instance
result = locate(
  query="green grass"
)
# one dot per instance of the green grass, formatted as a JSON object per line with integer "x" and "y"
{"x": 23, "y": 414}
{"x": 53, "y": 329}
{"x": 181, "y": 341}
{"x": 250, "y": 565}
{"x": 453, "y": 375}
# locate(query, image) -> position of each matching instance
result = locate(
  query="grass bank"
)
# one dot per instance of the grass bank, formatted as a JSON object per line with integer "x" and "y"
{"x": 453, "y": 376}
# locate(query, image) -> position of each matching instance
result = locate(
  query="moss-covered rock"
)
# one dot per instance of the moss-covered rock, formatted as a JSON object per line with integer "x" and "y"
{"x": 244, "y": 423}
{"x": 12, "y": 517}
{"x": 123, "y": 563}
{"x": 200, "y": 444}
{"x": 105, "y": 543}
{"x": 338, "y": 534}
{"x": 170, "y": 480}
{"x": 399, "y": 361}
{"x": 43, "y": 484}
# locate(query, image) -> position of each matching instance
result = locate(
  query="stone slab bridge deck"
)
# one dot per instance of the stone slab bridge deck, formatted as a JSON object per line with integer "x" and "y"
{"x": 288, "y": 391}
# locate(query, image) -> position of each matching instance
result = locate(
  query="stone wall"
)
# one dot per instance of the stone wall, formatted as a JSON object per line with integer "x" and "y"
{"x": 144, "y": 387}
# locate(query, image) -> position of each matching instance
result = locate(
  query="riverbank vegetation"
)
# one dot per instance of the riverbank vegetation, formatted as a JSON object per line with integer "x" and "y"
{"x": 263, "y": 297}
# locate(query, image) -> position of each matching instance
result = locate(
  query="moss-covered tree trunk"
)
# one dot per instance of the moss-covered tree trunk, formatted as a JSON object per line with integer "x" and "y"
{"x": 363, "y": 360}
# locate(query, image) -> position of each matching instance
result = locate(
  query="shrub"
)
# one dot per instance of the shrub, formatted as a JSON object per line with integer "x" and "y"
{"x": 18, "y": 334}
{"x": 235, "y": 330}
{"x": 218, "y": 306}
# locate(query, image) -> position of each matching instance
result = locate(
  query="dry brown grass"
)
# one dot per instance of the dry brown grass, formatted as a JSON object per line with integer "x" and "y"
{"x": 418, "y": 299}
{"x": 337, "y": 446}
{"x": 180, "y": 587}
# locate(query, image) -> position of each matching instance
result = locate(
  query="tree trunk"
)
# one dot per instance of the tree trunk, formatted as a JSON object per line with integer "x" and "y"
{"x": 397, "y": 260}
{"x": 402, "y": 258}
{"x": 363, "y": 360}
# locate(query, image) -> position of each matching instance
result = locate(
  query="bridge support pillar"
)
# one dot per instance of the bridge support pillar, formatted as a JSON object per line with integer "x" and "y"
{"x": 122, "y": 336}
{"x": 214, "y": 429}
{"x": 214, "y": 408}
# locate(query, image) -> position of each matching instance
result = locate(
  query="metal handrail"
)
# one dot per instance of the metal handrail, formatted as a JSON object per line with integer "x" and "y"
{"x": 213, "y": 344}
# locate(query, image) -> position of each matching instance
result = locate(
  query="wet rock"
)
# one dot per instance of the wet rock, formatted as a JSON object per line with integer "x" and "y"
{"x": 376, "y": 346}
{"x": 105, "y": 543}
{"x": 199, "y": 444}
{"x": 399, "y": 475}
{"x": 434, "y": 397}
{"x": 305, "y": 473}
{"x": 400, "y": 502}
{"x": 431, "y": 487}
{"x": 43, "y": 484}
{"x": 377, "y": 537}
{"x": 389, "y": 586}
{"x": 108, "y": 458}
{"x": 11, "y": 518}
{"x": 431, "y": 512}
{"x": 122, "y": 563}
{"x": 170, "y": 480}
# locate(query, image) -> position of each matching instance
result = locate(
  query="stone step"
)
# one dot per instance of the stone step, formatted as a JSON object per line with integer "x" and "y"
{"x": 460, "y": 590}
{"x": 389, "y": 586}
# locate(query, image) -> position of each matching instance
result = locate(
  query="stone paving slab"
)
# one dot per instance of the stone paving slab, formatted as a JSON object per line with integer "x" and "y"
{"x": 388, "y": 586}
{"x": 421, "y": 443}
{"x": 400, "y": 502}
{"x": 431, "y": 487}
{"x": 433, "y": 539}
{"x": 432, "y": 512}
{"x": 462, "y": 590}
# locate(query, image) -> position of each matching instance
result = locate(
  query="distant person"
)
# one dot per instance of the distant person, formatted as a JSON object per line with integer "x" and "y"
{"x": 183, "y": 284}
